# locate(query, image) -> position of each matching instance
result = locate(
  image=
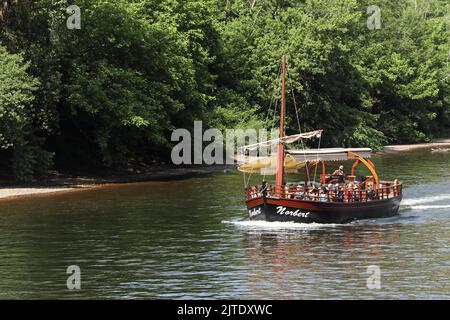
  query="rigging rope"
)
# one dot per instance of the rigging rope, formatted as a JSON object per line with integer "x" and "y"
{"x": 317, "y": 158}
{"x": 274, "y": 102}
{"x": 275, "y": 107}
{"x": 272, "y": 99}
{"x": 295, "y": 105}
{"x": 298, "y": 121}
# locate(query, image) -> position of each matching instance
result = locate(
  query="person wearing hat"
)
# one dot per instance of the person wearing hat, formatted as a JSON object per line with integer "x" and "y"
{"x": 339, "y": 173}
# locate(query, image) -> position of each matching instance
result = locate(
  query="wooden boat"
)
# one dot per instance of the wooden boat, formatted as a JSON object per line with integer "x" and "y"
{"x": 335, "y": 199}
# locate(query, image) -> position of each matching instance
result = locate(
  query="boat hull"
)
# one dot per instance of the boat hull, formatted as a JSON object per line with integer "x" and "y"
{"x": 304, "y": 211}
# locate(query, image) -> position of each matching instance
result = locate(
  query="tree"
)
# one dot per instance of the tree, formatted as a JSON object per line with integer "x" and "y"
{"x": 17, "y": 90}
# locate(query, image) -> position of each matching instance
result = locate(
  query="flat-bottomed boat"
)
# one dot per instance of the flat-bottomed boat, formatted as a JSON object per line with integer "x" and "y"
{"x": 336, "y": 198}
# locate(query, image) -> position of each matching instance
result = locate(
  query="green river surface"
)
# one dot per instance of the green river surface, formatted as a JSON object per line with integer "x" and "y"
{"x": 190, "y": 239}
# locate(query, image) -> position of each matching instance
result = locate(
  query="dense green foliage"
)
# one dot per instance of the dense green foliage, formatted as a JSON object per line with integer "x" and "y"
{"x": 113, "y": 91}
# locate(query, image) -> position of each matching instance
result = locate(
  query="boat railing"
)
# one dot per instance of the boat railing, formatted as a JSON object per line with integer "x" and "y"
{"x": 340, "y": 193}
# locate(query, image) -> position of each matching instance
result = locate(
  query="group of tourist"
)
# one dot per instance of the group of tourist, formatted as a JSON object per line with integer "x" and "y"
{"x": 340, "y": 191}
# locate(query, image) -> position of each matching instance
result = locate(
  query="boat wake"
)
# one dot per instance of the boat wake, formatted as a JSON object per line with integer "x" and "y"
{"x": 435, "y": 202}
{"x": 259, "y": 224}
{"x": 420, "y": 207}
{"x": 429, "y": 199}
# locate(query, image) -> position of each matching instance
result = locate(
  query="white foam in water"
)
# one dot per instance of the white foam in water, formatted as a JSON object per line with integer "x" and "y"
{"x": 444, "y": 206}
{"x": 412, "y": 202}
{"x": 259, "y": 224}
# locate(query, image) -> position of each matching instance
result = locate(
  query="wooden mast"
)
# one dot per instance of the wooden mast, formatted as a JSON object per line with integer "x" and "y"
{"x": 280, "y": 152}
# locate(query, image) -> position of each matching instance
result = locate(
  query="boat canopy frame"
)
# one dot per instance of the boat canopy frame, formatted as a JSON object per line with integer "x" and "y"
{"x": 329, "y": 154}
{"x": 297, "y": 159}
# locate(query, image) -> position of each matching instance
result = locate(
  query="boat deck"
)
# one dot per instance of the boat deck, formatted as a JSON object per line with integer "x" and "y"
{"x": 340, "y": 192}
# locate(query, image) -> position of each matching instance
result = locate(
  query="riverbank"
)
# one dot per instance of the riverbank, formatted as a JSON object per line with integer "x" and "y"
{"x": 63, "y": 183}
{"x": 438, "y": 144}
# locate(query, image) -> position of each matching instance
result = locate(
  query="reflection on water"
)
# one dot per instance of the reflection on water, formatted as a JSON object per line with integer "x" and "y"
{"x": 190, "y": 239}
{"x": 294, "y": 259}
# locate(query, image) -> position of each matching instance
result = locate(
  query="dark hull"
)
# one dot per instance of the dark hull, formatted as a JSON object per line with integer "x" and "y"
{"x": 303, "y": 211}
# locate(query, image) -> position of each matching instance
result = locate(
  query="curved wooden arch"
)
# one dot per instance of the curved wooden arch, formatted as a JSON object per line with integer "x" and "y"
{"x": 355, "y": 164}
{"x": 367, "y": 163}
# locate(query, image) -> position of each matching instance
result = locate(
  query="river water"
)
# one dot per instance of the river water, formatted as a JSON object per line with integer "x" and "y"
{"x": 190, "y": 239}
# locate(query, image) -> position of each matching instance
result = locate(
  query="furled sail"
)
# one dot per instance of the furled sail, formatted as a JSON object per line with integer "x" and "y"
{"x": 268, "y": 165}
{"x": 286, "y": 140}
{"x": 296, "y": 159}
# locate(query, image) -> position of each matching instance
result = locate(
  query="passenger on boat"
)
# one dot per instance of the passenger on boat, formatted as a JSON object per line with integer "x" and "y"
{"x": 349, "y": 195}
{"x": 339, "y": 194}
{"x": 336, "y": 188}
{"x": 263, "y": 189}
{"x": 253, "y": 192}
{"x": 330, "y": 187}
{"x": 352, "y": 188}
{"x": 370, "y": 193}
{"x": 349, "y": 187}
{"x": 323, "y": 195}
{"x": 356, "y": 191}
{"x": 256, "y": 192}
{"x": 339, "y": 172}
{"x": 311, "y": 195}
{"x": 299, "y": 194}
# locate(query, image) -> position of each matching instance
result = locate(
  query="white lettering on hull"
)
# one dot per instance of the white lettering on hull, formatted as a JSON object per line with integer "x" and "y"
{"x": 297, "y": 213}
{"x": 253, "y": 212}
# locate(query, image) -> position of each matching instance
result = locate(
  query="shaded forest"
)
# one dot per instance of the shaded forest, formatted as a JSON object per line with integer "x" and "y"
{"x": 112, "y": 92}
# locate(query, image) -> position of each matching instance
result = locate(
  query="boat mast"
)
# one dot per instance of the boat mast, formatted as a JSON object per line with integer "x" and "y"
{"x": 280, "y": 152}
